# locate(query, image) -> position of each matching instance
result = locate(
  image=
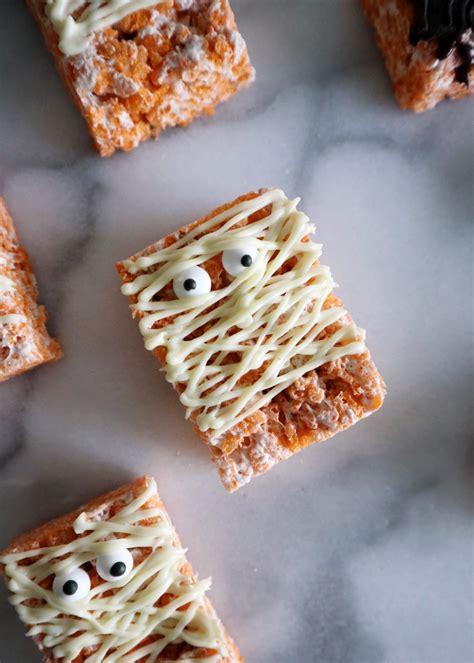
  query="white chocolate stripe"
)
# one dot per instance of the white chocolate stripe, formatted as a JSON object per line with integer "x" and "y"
{"x": 115, "y": 625}
{"x": 76, "y": 33}
{"x": 12, "y": 319}
{"x": 6, "y": 284}
{"x": 271, "y": 320}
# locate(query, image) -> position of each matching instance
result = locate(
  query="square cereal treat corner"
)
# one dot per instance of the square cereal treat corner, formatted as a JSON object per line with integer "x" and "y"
{"x": 110, "y": 583}
{"x": 137, "y": 67}
{"x": 24, "y": 339}
{"x": 427, "y": 46}
{"x": 241, "y": 314}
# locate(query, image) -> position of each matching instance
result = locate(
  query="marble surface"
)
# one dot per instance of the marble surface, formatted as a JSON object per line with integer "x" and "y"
{"x": 359, "y": 549}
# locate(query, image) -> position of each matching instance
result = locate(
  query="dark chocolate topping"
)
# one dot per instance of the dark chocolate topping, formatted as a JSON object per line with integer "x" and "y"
{"x": 449, "y": 23}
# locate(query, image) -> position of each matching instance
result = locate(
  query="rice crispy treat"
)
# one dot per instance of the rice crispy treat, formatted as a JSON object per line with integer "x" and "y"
{"x": 242, "y": 317}
{"x": 144, "y": 67}
{"x": 24, "y": 339}
{"x": 427, "y": 50}
{"x": 110, "y": 582}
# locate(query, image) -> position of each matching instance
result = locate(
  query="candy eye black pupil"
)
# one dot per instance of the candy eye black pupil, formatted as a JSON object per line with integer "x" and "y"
{"x": 117, "y": 569}
{"x": 246, "y": 260}
{"x": 70, "y": 587}
{"x": 190, "y": 284}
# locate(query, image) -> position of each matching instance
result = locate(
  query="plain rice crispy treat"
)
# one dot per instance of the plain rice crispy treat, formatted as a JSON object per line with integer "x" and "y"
{"x": 423, "y": 71}
{"x": 110, "y": 583}
{"x": 24, "y": 340}
{"x": 225, "y": 355}
{"x": 158, "y": 67}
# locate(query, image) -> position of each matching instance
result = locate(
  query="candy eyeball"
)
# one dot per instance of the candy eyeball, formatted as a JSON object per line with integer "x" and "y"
{"x": 236, "y": 261}
{"x": 72, "y": 586}
{"x": 192, "y": 282}
{"x": 116, "y": 566}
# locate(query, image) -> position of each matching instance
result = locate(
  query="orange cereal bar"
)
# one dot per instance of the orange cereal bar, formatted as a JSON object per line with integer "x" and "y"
{"x": 110, "y": 582}
{"x": 427, "y": 46}
{"x": 242, "y": 316}
{"x": 24, "y": 339}
{"x": 136, "y": 67}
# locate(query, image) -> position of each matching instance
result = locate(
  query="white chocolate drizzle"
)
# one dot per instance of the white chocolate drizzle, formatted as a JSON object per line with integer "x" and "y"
{"x": 114, "y": 628}
{"x": 6, "y": 284}
{"x": 271, "y": 319}
{"x": 75, "y": 34}
{"x": 12, "y": 319}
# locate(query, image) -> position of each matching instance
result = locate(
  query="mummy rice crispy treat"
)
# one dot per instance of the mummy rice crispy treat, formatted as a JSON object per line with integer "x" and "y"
{"x": 110, "y": 583}
{"x": 136, "y": 67}
{"x": 241, "y": 314}
{"x": 428, "y": 48}
{"x": 24, "y": 339}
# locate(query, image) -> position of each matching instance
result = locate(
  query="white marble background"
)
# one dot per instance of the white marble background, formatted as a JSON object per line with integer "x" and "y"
{"x": 358, "y": 550}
